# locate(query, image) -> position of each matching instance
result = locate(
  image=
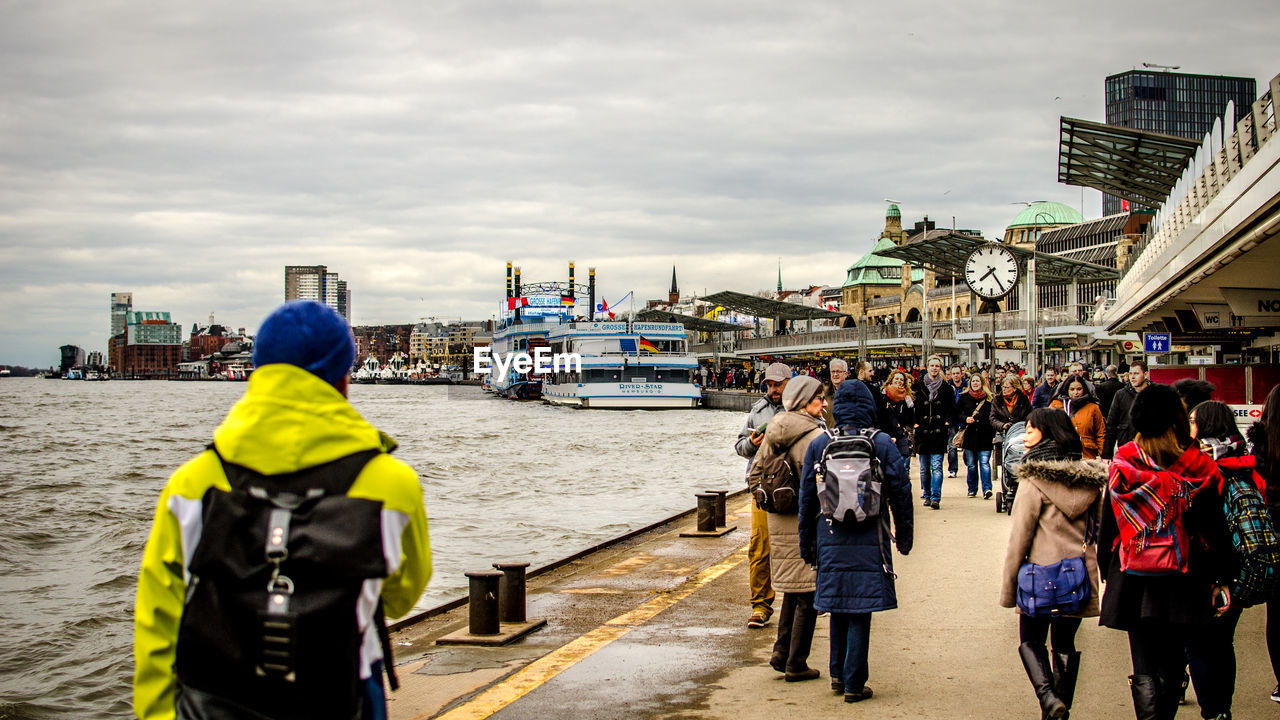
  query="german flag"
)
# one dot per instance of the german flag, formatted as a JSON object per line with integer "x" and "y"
{"x": 566, "y": 301}
{"x": 647, "y": 346}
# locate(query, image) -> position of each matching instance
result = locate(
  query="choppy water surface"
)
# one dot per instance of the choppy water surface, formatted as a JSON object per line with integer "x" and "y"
{"x": 83, "y": 463}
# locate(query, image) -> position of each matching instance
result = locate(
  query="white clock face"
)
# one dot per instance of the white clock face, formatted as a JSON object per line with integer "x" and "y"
{"x": 991, "y": 271}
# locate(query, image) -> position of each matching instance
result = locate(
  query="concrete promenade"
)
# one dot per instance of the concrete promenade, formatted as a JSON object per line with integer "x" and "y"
{"x": 655, "y": 628}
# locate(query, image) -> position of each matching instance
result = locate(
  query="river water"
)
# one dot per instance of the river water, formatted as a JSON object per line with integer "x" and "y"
{"x": 83, "y": 464}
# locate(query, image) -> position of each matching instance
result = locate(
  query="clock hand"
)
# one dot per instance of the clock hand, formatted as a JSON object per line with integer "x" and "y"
{"x": 997, "y": 279}
{"x": 990, "y": 271}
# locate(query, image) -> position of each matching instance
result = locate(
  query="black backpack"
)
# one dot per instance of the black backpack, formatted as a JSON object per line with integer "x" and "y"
{"x": 270, "y": 626}
{"x": 850, "y": 479}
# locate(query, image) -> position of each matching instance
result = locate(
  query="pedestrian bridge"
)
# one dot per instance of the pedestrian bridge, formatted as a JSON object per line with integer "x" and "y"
{"x": 1066, "y": 325}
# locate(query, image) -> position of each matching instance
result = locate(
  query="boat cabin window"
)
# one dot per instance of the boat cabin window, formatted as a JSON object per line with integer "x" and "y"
{"x": 601, "y": 375}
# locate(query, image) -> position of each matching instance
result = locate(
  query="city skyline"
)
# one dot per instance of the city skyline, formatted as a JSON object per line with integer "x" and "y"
{"x": 188, "y": 156}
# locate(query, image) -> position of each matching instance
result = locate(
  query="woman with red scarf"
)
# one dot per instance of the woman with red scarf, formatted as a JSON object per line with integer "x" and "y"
{"x": 1161, "y": 548}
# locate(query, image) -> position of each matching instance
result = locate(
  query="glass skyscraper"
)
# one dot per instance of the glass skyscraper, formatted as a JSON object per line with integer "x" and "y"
{"x": 1173, "y": 103}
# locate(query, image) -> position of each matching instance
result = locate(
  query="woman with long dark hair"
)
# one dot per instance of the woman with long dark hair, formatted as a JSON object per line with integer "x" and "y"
{"x": 1211, "y": 651}
{"x": 1055, "y": 516}
{"x": 1264, "y": 439}
{"x": 1156, "y": 552}
{"x": 1082, "y": 406}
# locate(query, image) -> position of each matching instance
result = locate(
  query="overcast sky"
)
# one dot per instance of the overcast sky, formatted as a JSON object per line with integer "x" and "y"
{"x": 188, "y": 151}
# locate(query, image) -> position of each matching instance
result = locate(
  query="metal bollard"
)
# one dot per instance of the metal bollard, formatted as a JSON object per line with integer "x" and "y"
{"x": 720, "y": 506}
{"x": 707, "y": 512}
{"x": 484, "y": 602}
{"x": 511, "y": 591}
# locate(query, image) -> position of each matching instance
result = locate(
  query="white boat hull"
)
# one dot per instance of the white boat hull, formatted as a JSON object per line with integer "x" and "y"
{"x": 624, "y": 396}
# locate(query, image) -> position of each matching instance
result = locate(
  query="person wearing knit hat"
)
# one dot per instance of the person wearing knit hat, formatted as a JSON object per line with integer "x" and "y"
{"x": 309, "y": 335}
{"x": 800, "y": 391}
{"x": 1161, "y": 585}
{"x": 789, "y": 434}
{"x": 293, "y": 429}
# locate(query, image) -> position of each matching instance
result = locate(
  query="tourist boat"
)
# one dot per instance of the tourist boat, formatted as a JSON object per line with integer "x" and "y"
{"x": 625, "y": 366}
{"x": 396, "y": 372}
{"x": 368, "y": 372}
{"x": 524, "y": 337}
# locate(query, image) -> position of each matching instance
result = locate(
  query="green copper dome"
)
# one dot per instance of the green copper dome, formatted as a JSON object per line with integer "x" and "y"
{"x": 1047, "y": 213}
{"x": 893, "y": 211}
{"x": 873, "y": 269}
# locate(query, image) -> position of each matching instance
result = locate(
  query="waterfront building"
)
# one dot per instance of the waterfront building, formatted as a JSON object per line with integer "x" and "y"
{"x": 207, "y": 340}
{"x": 428, "y": 342}
{"x": 381, "y": 341}
{"x": 121, "y": 304}
{"x": 150, "y": 346}
{"x": 315, "y": 282}
{"x": 1184, "y": 105}
{"x": 71, "y": 356}
{"x": 95, "y": 360}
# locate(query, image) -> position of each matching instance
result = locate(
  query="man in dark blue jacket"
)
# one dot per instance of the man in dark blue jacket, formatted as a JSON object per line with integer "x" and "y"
{"x": 855, "y": 569}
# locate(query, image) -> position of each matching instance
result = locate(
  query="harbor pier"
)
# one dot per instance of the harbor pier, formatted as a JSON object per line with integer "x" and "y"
{"x": 655, "y": 627}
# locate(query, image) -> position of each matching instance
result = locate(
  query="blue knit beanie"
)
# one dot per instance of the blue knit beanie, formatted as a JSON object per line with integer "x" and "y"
{"x": 309, "y": 335}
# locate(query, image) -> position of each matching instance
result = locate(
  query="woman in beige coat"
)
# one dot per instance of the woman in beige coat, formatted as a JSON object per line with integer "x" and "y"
{"x": 1055, "y": 516}
{"x": 790, "y": 432}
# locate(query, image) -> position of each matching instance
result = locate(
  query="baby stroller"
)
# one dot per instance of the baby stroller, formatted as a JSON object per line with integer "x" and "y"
{"x": 1010, "y": 459}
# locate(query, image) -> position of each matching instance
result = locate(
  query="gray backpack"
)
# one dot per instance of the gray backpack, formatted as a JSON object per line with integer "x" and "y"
{"x": 849, "y": 477}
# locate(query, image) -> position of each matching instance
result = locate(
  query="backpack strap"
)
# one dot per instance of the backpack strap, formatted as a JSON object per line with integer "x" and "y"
{"x": 384, "y": 638}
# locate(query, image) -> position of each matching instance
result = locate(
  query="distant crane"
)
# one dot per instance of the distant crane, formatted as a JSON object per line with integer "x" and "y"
{"x": 1153, "y": 66}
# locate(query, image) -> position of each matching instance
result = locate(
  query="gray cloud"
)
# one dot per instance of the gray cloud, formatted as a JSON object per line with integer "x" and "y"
{"x": 188, "y": 153}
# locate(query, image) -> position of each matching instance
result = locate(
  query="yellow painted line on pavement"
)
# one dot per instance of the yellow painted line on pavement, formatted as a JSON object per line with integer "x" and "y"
{"x": 566, "y": 656}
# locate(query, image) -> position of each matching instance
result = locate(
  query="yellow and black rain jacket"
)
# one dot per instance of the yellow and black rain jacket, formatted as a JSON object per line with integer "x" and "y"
{"x": 288, "y": 420}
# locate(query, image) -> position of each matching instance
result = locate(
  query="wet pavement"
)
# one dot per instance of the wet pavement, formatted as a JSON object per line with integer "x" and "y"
{"x": 654, "y": 627}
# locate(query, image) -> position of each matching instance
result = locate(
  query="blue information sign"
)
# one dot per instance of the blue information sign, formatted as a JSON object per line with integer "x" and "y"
{"x": 1155, "y": 343}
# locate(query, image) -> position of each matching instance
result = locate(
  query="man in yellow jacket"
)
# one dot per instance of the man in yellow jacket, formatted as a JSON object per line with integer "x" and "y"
{"x": 294, "y": 421}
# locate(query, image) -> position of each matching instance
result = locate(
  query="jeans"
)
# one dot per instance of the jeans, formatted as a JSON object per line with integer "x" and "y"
{"x": 758, "y": 562}
{"x": 926, "y": 482}
{"x": 951, "y": 451}
{"x": 935, "y": 466}
{"x": 850, "y": 636}
{"x": 977, "y": 460}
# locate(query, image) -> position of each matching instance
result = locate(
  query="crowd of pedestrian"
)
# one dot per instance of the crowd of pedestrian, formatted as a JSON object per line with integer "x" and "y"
{"x": 1129, "y": 499}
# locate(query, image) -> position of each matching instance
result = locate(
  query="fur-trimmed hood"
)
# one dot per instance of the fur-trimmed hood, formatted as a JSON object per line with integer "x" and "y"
{"x": 1071, "y": 485}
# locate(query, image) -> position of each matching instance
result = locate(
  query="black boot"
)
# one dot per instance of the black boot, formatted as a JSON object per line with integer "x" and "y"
{"x": 1035, "y": 659}
{"x": 1145, "y": 690}
{"x": 1066, "y": 668}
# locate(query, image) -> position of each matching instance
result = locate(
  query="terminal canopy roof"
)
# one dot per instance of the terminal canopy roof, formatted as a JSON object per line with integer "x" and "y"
{"x": 945, "y": 253}
{"x": 1138, "y": 165}
{"x": 690, "y": 322}
{"x": 766, "y": 308}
